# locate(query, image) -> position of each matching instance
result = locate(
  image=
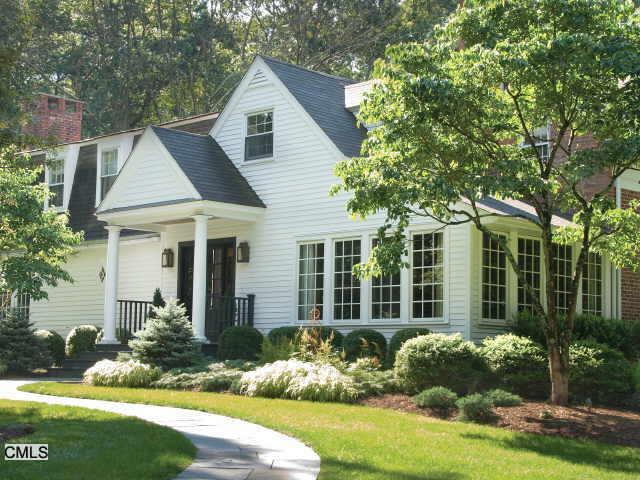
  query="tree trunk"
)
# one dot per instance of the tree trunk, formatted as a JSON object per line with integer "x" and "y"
{"x": 559, "y": 372}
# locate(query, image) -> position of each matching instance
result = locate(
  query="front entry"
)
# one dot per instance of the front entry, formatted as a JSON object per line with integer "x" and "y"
{"x": 221, "y": 269}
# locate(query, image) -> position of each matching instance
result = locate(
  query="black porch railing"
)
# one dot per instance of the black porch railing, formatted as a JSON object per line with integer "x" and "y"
{"x": 224, "y": 312}
{"x": 132, "y": 316}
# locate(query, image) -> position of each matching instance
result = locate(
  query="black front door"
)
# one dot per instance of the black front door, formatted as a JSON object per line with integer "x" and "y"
{"x": 221, "y": 269}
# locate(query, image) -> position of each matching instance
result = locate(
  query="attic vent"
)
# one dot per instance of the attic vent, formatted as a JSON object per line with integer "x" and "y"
{"x": 258, "y": 79}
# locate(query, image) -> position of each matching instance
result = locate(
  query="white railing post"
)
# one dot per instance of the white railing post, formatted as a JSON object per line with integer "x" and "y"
{"x": 111, "y": 285}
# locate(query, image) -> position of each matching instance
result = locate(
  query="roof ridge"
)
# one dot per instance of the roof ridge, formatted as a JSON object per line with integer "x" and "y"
{"x": 174, "y": 130}
{"x": 299, "y": 67}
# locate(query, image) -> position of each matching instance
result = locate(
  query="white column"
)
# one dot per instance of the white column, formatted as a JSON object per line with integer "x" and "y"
{"x": 198, "y": 307}
{"x": 111, "y": 285}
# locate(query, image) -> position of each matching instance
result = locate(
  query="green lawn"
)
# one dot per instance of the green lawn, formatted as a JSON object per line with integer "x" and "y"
{"x": 89, "y": 444}
{"x": 358, "y": 442}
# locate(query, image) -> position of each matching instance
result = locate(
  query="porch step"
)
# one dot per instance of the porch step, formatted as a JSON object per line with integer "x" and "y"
{"x": 76, "y": 366}
{"x": 64, "y": 372}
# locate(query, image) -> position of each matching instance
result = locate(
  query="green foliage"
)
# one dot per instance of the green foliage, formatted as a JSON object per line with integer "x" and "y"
{"x": 438, "y": 398}
{"x": 39, "y": 240}
{"x": 365, "y": 342}
{"x": 502, "y": 398}
{"x": 439, "y": 360}
{"x": 21, "y": 350}
{"x": 167, "y": 340}
{"x": 294, "y": 333}
{"x": 599, "y": 373}
{"x": 475, "y": 408}
{"x": 157, "y": 302}
{"x": 55, "y": 344}
{"x": 216, "y": 378}
{"x": 81, "y": 339}
{"x": 518, "y": 364}
{"x": 636, "y": 376}
{"x": 281, "y": 349}
{"x": 132, "y": 374}
{"x": 368, "y": 379}
{"x": 400, "y": 337}
{"x": 240, "y": 343}
{"x": 3, "y": 369}
{"x": 623, "y": 335}
{"x": 312, "y": 346}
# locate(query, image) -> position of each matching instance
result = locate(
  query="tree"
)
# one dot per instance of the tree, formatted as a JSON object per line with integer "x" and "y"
{"x": 34, "y": 242}
{"x": 20, "y": 348}
{"x": 456, "y": 121}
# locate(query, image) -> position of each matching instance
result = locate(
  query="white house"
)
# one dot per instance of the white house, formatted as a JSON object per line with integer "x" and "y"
{"x": 244, "y": 210}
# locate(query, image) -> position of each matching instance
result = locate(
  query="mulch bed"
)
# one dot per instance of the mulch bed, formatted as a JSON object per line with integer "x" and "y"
{"x": 7, "y": 432}
{"x": 620, "y": 427}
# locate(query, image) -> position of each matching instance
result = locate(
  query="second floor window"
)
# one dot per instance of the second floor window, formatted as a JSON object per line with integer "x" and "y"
{"x": 56, "y": 182}
{"x": 108, "y": 170}
{"x": 259, "y": 140}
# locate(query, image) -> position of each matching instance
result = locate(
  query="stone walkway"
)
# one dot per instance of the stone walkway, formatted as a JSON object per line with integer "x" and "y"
{"x": 228, "y": 449}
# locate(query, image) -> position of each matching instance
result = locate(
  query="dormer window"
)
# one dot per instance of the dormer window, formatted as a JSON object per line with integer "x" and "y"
{"x": 259, "y": 140}
{"x": 108, "y": 170}
{"x": 56, "y": 182}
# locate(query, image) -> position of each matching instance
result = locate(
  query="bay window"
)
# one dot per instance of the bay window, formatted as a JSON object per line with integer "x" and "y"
{"x": 529, "y": 262}
{"x": 346, "y": 286}
{"x": 494, "y": 279}
{"x": 385, "y": 295}
{"x": 592, "y": 285}
{"x": 427, "y": 270}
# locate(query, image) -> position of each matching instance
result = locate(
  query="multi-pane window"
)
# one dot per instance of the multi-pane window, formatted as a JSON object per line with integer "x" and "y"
{"x": 540, "y": 138}
{"x": 529, "y": 262}
{"x": 385, "y": 295}
{"x": 592, "y": 285}
{"x": 108, "y": 170}
{"x": 346, "y": 287}
{"x": 56, "y": 182}
{"x": 563, "y": 258}
{"x": 310, "y": 281}
{"x": 259, "y": 140}
{"x": 494, "y": 279}
{"x": 428, "y": 275}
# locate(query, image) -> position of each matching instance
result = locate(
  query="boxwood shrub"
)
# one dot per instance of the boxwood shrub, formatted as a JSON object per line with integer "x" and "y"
{"x": 475, "y": 408}
{"x": 437, "y": 398}
{"x": 55, "y": 344}
{"x": 240, "y": 343}
{"x": 439, "y": 360}
{"x": 291, "y": 333}
{"x": 400, "y": 337}
{"x": 81, "y": 339}
{"x": 365, "y": 342}
{"x": 518, "y": 364}
{"x": 599, "y": 372}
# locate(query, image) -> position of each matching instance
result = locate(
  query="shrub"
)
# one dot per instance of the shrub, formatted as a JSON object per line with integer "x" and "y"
{"x": 502, "y": 398}
{"x": 620, "y": 335}
{"x": 20, "y": 349}
{"x": 368, "y": 379}
{"x": 281, "y": 349}
{"x": 294, "y": 333}
{"x": 82, "y": 338}
{"x": 312, "y": 347}
{"x": 365, "y": 342}
{"x": 157, "y": 301}
{"x": 134, "y": 374}
{"x": 167, "y": 340}
{"x": 216, "y": 378}
{"x": 240, "y": 342}
{"x": 598, "y": 372}
{"x": 475, "y": 408}
{"x": 518, "y": 364}
{"x": 437, "y": 398}
{"x": 3, "y": 369}
{"x": 299, "y": 381}
{"x": 439, "y": 360}
{"x": 400, "y": 337}
{"x": 55, "y": 344}
{"x": 636, "y": 376}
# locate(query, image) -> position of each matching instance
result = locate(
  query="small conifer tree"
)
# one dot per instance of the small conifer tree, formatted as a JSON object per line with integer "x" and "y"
{"x": 157, "y": 301}
{"x": 20, "y": 349}
{"x": 167, "y": 340}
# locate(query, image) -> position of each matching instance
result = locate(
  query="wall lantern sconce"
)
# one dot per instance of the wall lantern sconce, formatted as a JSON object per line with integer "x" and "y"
{"x": 243, "y": 253}
{"x": 167, "y": 258}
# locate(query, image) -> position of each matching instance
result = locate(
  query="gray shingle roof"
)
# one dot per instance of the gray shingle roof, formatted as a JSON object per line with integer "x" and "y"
{"x": 208, "y": 168}
{"x": 322, "y": 96}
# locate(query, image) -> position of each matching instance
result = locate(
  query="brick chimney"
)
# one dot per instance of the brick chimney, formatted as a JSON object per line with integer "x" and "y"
{"x": 57, "y": 117}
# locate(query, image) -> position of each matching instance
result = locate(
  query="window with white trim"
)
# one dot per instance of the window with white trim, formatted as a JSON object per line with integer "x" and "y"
{"x": 563, "y": 258}
{"x": 310, "y": 281}
{"x": 529, "y": 262}
{"x": 56, "y": 182}
{"x": 108, "y": 170}
{"x": 494, "y": 279}
{"x": 346, "y": 286}
{"x": 592, "y": 285}
{"x": 428, "y": 275}
{"x": 385, "y": 295}
{"x": 259, "y": 140}
{"x": 540, "y": 137}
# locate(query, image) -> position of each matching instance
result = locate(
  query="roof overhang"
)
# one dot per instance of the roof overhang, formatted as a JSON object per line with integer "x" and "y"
{"x": 155, "y": 217}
